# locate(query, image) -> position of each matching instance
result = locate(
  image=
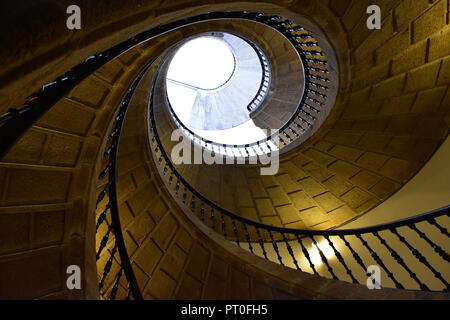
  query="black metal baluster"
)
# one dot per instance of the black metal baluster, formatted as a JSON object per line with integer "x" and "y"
{"x": 193, "y": 204}
{"x": 110, "y": 191}
{"x": 354, "y": 253}
{"x": 170, "y": 177}
{"x": 235, "y": 231}
{"x": 104, "y": 172}
{"x": 320, "y": 103}
{"x": 304, "y": 121}
{"x": 341, "y": 259}
{"x": 113, "y": 133}
{"x": 213, "y": 219}
{"x": 323, "y": 258}
{"x": 177, "y": 187}
{"x": 319, "y": 70}
{"x": 317, "y": 93}
{"x": 103, "y": 193}
{"x": 291, "y": 252}
{"x": 224, "y": 229}
{"x": 306, "y": 254}
{"x": 357, "y": 258}
{"x": 184, "y": 194}
{"x": 104, "y": 241}
{"x": 281, "y": 140}
{"x": 261, "y": 243}
{"x": 202, "y": 211}
{"x": 318, "y": 78}
{"x": 378, "y": 260}
{"x": 295, "y": 28}
{"x": 108, "y": 266}
{"x": 108, "y": 151}
{"x": 293, "y": 132}
{"x": 299, "y": 126}
{"x": 315, "y": 61}
{"x": 421, "y": 258}
{"x": 313, "y": 53}
{"x": 441, "y": 252}
{"x": 308, "y": 114}
{"x": 311, "y": 107}
{"x": 437, "y": 225}
{"x": 114, "y": 289}
{"x": 399, "y": 260}
{"x": 275, "y": 247}
{"x": 288, "y": 136}
{"x": 127, "y": 297}
{"x": 247, "y": 236}
{"x": 101, "y": 218}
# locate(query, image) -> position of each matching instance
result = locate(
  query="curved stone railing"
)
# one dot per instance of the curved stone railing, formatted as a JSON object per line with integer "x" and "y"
{"x": 316, "y": 71}
{"x": 265, "y": 79}
{"x": 108, "y": 209}
{"x": 17, "y": 121}
{"x": 270, "y": 242}
{"x": 314, "y": 95}
{"x": 407, "y": 251}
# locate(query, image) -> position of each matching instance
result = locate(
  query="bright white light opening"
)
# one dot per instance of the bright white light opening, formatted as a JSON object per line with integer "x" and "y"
{"x": 204, "y": 62}
{"x": 314, "y": 253}
{"x": 210, "y": 82}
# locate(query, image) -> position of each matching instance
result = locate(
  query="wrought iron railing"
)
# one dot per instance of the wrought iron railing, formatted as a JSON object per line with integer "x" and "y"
{"x": 270, "y": 242}
{"x": 244, "y": 152}
{"x": 108, "y": 212}
{"x": 14, "y": 123}
{"x": 342, "y": 259}
{"x": 265, "y": 78}
{"x": 313, "y": 97}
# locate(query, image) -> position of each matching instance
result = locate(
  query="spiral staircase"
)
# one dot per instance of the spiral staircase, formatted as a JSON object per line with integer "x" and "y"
{"x": 87, "y": 176}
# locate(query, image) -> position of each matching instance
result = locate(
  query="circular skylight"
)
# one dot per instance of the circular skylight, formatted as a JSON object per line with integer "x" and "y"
{"x": 211, "y": 81}
{"x": 204, "y": 62}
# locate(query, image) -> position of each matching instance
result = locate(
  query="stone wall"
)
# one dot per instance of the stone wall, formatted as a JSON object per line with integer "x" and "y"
{"x": 175, "y": 256}
{"x": 47, "y": 184}
{"x": 391, "y": 115}
{"x": 386, "y": 124}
